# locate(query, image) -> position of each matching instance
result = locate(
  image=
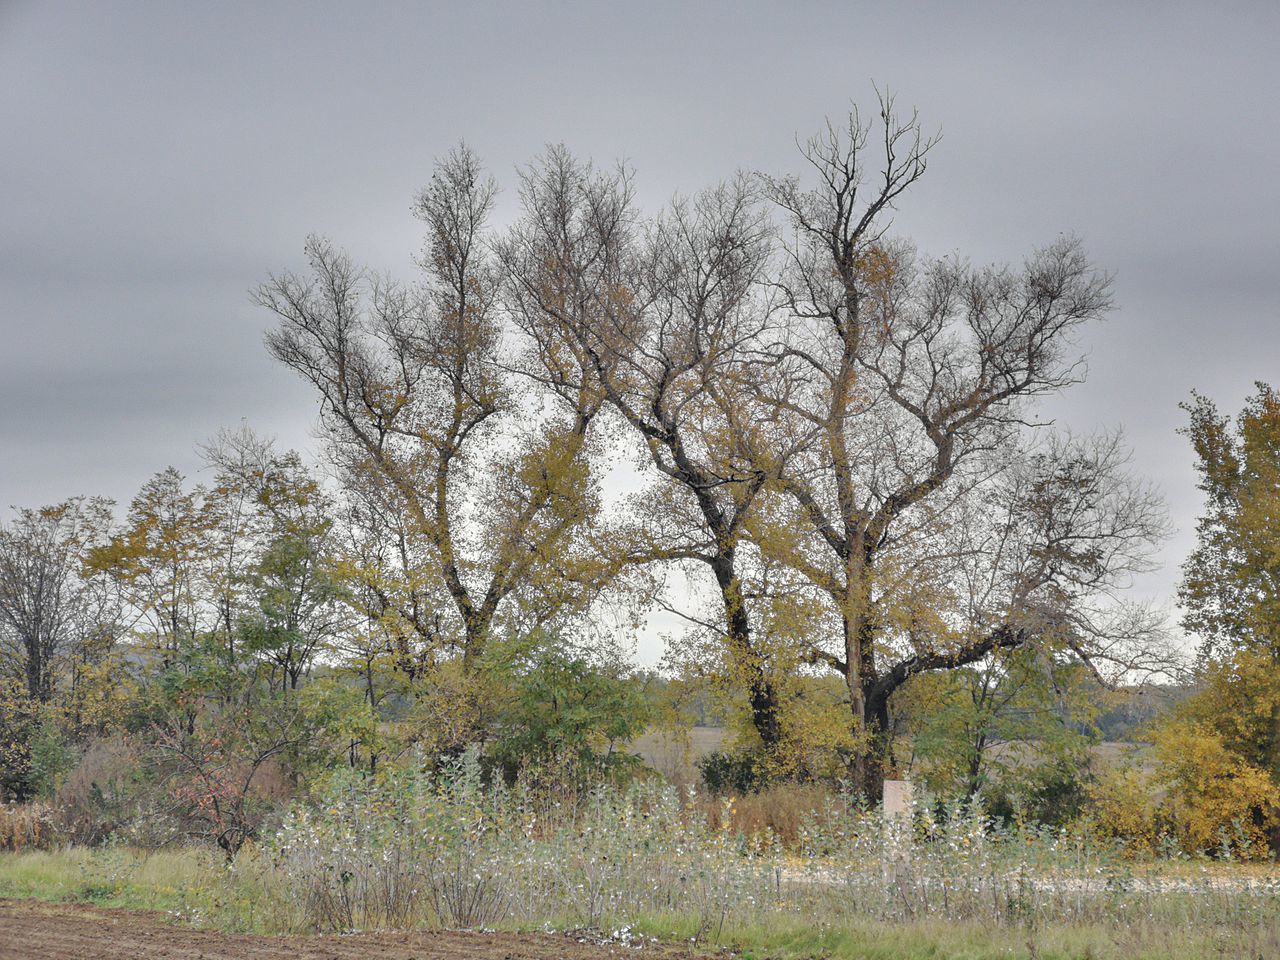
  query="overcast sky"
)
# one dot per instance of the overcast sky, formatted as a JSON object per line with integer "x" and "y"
{"x": 157, "y": 160}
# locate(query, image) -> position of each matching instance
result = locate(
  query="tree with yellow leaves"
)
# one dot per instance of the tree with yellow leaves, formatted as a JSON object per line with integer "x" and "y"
{"x": 1222, "y": 751}
{"x": 665, "y": 320}
{"x": 474, "y": 505}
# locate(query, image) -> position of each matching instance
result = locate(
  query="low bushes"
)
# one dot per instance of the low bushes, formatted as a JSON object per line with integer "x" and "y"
{"x": 448, "y": 850}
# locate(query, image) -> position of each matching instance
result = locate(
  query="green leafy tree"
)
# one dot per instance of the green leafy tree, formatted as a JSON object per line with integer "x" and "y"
{"x": 566, "y": 706}
{"x": 1009, "y": 728}
{"x": 293, "y": 589}
{"x": 1231, "y": 582}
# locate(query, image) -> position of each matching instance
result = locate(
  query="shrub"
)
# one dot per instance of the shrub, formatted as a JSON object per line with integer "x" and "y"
{"x": 1121, "y": 808}
{"x": 1054, "y": 793}
{"x": 1218, "y": 801}
{"x": 19, "y": 719}
{"x": 376, "y": 850}
{"x": 450, "y": 849}
{"x": 109, "y": 793}
{"x": 564, "y": 706}
{"x": 741, "y": 773}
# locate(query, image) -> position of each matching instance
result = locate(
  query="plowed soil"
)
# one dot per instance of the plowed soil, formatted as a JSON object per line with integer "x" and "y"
{"x": 32, "y": 930}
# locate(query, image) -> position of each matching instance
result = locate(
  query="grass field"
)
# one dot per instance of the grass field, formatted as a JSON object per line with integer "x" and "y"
{"x": 194, "y": 887}
{"x": 675, "y": 755}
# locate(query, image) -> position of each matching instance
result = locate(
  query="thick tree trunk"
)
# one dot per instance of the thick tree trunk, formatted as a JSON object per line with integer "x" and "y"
{"x": 476, "y": 635}
{"x": 868, "y": 705}
{"x": 760, "y": 691}
{"x": 873, "y": 760}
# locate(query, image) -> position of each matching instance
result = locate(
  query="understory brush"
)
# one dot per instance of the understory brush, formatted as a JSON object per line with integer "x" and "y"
{"x": 415, "y": 848}
{"x": 195, "y": 885}
{"x": 782, "y": 809}
{"x": 450, "y": 850}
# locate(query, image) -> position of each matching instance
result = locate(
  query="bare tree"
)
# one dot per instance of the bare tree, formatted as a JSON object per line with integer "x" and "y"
{"x": 482, "y": 497}
{"x": 664, "y": 320}
{"x": 52, "y": 614}
{"x": 919, "y": 375}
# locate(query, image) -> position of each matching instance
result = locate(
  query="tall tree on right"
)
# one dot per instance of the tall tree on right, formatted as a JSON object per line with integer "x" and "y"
{"x": 1231, "y": 582}
{"x": 920, "y": 379}
{"x": 1222, "y": 747}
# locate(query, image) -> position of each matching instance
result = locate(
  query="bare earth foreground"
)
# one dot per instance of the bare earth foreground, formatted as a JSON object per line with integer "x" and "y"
{"x": 31, "y": 929}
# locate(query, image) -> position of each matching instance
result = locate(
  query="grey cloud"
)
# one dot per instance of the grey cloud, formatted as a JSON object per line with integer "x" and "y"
{"x": 159, "y": 159}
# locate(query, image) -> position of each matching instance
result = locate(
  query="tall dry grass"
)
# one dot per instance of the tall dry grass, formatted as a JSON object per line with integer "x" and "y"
{"x": 29, "y": 826}
{"x": 781, "y": 811}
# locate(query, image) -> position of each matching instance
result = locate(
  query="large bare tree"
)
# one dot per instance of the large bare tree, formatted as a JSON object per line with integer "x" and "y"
{"x": 473, "y": 494}
{"x": 665, "y": 319}
{"x": 920, "y": 374}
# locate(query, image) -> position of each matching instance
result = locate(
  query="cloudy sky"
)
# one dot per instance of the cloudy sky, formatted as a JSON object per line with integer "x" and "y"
{"x": 157, "y": 160}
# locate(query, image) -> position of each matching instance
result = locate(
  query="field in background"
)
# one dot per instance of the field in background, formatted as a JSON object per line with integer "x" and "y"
{"x": 675, "y": 755}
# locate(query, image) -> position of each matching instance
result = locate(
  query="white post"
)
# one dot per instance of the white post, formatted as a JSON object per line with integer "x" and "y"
{"x": 897, "y": 798}
{"x": 896, "y": 829}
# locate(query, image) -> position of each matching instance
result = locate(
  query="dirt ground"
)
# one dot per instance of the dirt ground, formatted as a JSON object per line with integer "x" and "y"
{"x": 32, "y": 930}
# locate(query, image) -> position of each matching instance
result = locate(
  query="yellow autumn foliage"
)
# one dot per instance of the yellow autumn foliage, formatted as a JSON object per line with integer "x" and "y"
{"x": 1121, "y": 806}
{"x": 1215, "y": 795}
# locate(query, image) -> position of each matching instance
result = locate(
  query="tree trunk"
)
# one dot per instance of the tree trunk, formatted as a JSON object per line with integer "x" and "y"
{"x": 975, "y": 767}
{"x": 39, "y": 674}
{"x": 35, "y": 679}
{"x": 869, "y": 707}
{"x": 873, "y": 759}
{"x": 760, "y": 691}
{"x": 476, "y": 638}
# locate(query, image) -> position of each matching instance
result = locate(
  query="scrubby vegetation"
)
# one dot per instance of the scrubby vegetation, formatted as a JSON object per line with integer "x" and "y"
{"x": 446, "y": 849}
{"x": 454, "y": 850}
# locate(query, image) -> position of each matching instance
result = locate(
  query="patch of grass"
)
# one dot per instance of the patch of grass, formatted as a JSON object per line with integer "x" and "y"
{"x": 195, "y": 886}
{"x": 799, "y": 938}
{"x": 191, "y": 884}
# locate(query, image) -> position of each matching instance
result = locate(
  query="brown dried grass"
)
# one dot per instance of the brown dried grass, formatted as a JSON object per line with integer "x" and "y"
{"x": 27, "y": 826}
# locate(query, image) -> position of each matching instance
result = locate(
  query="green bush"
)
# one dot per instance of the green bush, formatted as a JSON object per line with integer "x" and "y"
{"x": 564, "y": 707}
{"x": 724, "y": 772}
